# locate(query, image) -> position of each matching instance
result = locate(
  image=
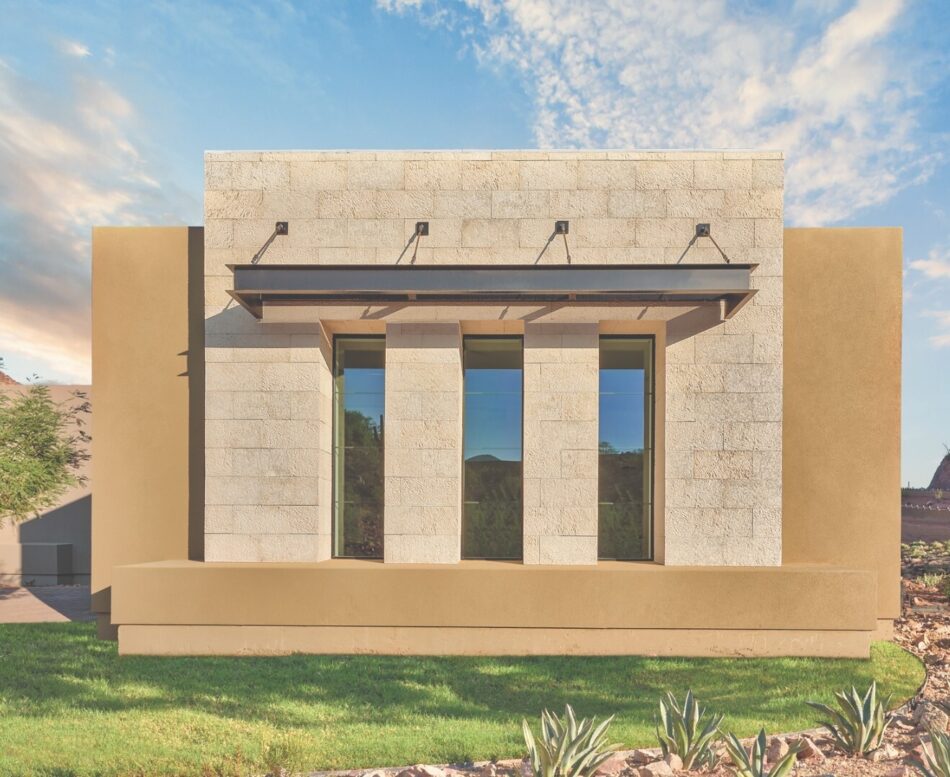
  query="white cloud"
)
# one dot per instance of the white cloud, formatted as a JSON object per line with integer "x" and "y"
{"x": 936, "y": 265}
{"x": 74, "y": 48}
{"x": 942, "y": 339}
{"x": 67, "y": 164}
{"x": 825, "y": 83}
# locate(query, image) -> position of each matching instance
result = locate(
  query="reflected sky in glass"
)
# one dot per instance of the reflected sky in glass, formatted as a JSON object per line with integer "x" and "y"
{"x": 493, "y": 402}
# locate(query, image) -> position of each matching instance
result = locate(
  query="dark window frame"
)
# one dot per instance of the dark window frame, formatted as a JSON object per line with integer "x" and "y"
{"x": 651, "y": 338}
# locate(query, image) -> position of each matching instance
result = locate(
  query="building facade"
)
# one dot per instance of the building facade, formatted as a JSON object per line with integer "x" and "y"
{"x": 452, "y": 380}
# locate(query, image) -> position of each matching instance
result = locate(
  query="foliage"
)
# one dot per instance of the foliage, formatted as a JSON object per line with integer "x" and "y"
{"x": 567, "y": 748}
{"x": 687, "y": 731}
{"x": 931, "y": 579}
{"x": 41, "y": 449}
{"x": 751, "y": 763}
{"x": 859, "y": 726}
{"x": 935, "y": 761}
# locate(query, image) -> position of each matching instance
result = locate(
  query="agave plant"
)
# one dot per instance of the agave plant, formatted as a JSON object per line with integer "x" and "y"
{"x": 687, "y": 731}
{"x": 751, "y": 763}
{"x": 859, "y": 726}
{"x": 567, "y": 748}
{"x": 935, "y": 761}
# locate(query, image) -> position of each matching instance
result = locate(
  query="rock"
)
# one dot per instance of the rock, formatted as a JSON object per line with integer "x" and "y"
{"x": 777, "y": 748}
{"x": 488, "y": 770}
{"x": 644, "y": 755}
{"x": 422, "y": 770}
{"x": 886, "y": 752}
{"x": 674, "y": 762}
{"x": 613, "y": 765}
{"x": 900, "y": 771}
{"x": 807, "y": 749}
{"x": 929, "y": 716}
{"x": 375, "y": 773}
{"x": 655, "y": 769}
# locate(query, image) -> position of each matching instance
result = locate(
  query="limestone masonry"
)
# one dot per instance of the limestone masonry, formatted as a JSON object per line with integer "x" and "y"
{"x": 268, "y": 400}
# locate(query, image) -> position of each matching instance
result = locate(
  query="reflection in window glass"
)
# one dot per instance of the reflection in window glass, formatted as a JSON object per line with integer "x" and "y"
{"x": 626, "y": 448}
{"x": 358, "y": 396}
{"x": 491, "y": 520}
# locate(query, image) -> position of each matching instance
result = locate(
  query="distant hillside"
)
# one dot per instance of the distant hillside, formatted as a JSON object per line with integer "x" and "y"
{"x": 941, "y": 478}
{"x": 6, "y": 380}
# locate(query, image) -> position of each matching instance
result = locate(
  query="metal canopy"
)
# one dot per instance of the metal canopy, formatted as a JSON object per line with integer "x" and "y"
{"x": 259, "y": 285}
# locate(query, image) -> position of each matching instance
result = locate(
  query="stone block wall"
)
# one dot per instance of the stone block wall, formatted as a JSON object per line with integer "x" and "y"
{"x": 561, "y": 380}
{"x": 423, "y": 444}
{"x": 723, "y": 380}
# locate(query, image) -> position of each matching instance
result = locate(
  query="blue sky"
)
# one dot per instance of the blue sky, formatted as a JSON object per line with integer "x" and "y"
{"x": 106, "y": 108}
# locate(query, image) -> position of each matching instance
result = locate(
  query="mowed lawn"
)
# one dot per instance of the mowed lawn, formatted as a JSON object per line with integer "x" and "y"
{"x": 69, "y": 705}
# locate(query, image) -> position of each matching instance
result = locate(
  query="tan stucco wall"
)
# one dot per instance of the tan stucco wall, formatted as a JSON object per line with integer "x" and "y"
{"x": 841, "y": 537}
{"x": 724, "y": 379}
{"x": 144, "y": 475}
{"x": 843, "y": 402}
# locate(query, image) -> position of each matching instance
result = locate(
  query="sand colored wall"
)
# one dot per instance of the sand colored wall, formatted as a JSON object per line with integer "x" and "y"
{"x": 842, "y": 402}
{"x": 422, "y": 520}
{"x": 724, "y": 379}
{"x": 146, "y": 368}
{"x": 561, "y": 385}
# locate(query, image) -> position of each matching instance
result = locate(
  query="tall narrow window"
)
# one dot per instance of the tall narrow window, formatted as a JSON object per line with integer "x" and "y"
{"x": 359, "y": 394}
{"x": 492, "y": 516}
{"x": 626, "y": 448}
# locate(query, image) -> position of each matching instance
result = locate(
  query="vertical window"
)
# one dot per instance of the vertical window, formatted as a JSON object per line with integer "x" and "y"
{"x": 625, "y": 510}
{"x": 358, "y": 397}
{"x": 492, "y": 515}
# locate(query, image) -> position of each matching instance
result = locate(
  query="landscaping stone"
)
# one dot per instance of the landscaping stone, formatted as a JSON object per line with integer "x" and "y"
{"x": 655, "y": 769}
{"x": 900, "y": 771}
{"x": 777, "y": 748}
{"x": 645, "y": 755}
{"x": 422, "y": 770}
{"x": 613, "y": 765}
{"x": 929, "y": 717}
{"x": 674, "y": 761}
{"x": 807, "y": 749}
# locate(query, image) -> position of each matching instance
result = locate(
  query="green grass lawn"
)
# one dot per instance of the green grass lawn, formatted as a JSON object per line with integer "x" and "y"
{"x": 69, "y": 705}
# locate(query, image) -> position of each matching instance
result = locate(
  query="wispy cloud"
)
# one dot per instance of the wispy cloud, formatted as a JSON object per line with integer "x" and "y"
{"x": 942, "y": 338}
{"x": 936, "y": 265}
{"x": 73, "y": 48}
{"x": 67, "y": 164}
{"x": 826, "y": 82}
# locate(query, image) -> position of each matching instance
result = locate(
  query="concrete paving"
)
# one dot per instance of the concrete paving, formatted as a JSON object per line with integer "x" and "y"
{"x": 45, "y": 604}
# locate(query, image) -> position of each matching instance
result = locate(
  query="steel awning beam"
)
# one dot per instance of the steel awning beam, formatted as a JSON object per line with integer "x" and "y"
{"x": 257, "y": 286}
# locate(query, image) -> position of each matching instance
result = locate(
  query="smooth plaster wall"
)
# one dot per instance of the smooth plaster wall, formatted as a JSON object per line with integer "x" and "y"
{"x": 724, "y": 380}
{"x": 147, "y": 369}
{"x": 843, "y": 402}
{"x": 842, "y": 512}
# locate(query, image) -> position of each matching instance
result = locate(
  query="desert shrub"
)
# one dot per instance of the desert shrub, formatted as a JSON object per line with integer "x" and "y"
{"x": 859, "y": 724}
{"x": 687, "y": 731}
{"x": 931, "y": 579}
{"x": 568, "y": 748}
{"x": 751, "y": 762}
{"x": 935, "y": 761}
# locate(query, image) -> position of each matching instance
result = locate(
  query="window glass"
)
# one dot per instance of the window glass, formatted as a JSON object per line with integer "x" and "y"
{"x": 625, "y": 488}
{"x": 492, "y": 514}
{"x": 359, "y": 399}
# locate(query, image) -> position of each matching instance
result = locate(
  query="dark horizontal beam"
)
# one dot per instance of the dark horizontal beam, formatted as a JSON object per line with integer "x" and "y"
{"x": 258, "y": 285}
